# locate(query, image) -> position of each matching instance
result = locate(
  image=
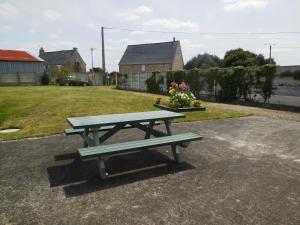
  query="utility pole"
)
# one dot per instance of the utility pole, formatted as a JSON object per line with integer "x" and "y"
{"x": 92, "y": 57}
{"x": 270, "y": 52}
{"x": 103, "y": 50}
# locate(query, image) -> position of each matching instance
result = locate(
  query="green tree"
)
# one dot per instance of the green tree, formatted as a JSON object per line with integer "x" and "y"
{"x": 240, "y": 57}
{"x": 203, "y": 61}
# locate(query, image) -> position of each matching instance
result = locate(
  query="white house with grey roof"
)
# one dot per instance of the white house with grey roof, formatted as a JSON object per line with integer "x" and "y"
{"x": 70, "y": 59}
{"x": 153, "y": 57}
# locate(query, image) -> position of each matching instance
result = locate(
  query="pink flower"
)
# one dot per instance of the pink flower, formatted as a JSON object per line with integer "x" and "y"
{"x": 174, "y": 85}
{"x": 183, "y": 86}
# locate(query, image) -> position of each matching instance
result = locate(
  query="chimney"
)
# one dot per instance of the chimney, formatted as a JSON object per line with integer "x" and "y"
{"x": 74, "y": 49}
{"x": 173, "y": 39}
{"x": 41, "y": 52}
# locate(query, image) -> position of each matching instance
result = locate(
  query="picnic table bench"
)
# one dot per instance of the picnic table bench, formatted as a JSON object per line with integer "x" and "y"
{"x": 90, "y": 127}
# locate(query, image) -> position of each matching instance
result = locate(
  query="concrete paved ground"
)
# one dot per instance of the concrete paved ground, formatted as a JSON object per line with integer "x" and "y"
{"x": 244, "y": 171}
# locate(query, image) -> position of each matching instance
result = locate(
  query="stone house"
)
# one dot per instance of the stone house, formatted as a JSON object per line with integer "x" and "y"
{"x": 153, "y": 57}
{"x": 70, "y": 59}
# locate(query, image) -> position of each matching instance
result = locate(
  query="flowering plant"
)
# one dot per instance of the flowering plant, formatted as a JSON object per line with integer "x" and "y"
{"x": 180, "y": 96}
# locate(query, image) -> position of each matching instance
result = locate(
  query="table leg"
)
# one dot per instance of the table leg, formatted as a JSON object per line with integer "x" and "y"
{"x": 149, "y": 128}
{"x": 174, "y": 149}
{"x": 95, "y": 136}
{"x": 85, "y": 136}
{"x": 101, "y": 165}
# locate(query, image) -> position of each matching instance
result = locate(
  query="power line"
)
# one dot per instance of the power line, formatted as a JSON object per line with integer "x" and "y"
{"x": 204, "y": 33}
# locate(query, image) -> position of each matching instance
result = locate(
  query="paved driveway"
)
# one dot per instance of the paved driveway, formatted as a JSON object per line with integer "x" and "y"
{"x": 244, "y": 171}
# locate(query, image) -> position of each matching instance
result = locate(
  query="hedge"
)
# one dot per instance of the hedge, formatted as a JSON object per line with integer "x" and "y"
{"x": 232, "y": 83}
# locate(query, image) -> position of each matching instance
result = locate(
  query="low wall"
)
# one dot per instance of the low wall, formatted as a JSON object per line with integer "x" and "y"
{"x": 20, "y": 79}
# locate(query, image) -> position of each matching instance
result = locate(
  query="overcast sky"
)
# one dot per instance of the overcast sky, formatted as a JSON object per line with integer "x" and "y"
{"x": 64, "y": 24}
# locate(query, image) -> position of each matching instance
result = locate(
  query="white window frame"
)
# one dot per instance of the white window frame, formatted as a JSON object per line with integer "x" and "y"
{"x": 143, "y": 68}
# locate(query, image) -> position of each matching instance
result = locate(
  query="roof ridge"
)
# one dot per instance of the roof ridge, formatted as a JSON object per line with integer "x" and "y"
{"x": 156, "y": 43}
{"x": 60, "y": 51}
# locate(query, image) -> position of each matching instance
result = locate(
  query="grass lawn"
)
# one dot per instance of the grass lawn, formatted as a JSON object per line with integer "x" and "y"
{"x": 42, "y": 110}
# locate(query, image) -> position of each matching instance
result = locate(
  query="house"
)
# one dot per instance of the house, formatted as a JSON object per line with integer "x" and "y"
{"x": 70, "y": 59}
{"x": 153, "y": 57}
{"x": 20, "y": 67}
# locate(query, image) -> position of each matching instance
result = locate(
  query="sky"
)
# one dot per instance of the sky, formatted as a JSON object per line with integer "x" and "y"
{"x": 64, "y": 24}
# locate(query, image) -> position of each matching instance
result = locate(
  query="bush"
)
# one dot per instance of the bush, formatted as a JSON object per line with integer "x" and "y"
{"x": 264, "y": 76}
{"x": 232, "y": 83}
{"x": 45, "y": 78}
{"x": 153, "y": 84}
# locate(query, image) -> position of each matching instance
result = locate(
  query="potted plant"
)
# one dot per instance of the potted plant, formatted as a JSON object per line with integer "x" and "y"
{"x": 181, "y": 99}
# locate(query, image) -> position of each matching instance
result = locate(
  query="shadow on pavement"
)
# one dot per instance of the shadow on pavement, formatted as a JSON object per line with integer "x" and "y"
{"x": 81, "y": 177}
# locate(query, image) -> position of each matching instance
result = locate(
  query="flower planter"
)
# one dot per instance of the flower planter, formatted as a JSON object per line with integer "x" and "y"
{"x": 185, "y": 109}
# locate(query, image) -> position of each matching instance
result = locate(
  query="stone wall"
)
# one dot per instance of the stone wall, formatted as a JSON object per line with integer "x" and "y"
{"x": 76, "y": 58}
{"x": 149, "y": 68}
{"x": 178, "y": 60}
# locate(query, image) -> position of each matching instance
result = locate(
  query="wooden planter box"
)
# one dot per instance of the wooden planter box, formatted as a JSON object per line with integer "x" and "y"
{"x": 186, "y": 109}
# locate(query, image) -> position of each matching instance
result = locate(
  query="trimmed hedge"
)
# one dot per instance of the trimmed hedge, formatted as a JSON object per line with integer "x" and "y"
{"x": 232, "y": 83}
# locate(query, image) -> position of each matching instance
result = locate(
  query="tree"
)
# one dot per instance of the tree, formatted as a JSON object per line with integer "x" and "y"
{"x": 240, "y": 57}
{"x": 203, "y": 61}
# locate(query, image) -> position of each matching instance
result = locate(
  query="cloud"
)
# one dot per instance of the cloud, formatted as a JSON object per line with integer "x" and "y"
{"x": 172, "y": 24}
{"x": 239, "y": 5}
{"x": 5, "y": 28}
{"x": 54, "y": 36}
{"x": 92, "y": 26}
{"x": 136, "y": 13}
{"x": 8, "y": 11}
{"x": 52, "y": 15}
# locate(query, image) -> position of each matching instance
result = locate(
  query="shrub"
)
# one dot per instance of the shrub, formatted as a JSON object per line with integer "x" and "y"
{"x": 153, "y": 84}
{"x": 45, "y": 78}
{"x": 265, "y": 75}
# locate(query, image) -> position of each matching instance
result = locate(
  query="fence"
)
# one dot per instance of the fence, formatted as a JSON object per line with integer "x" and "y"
{"x": 137, "y": 81}
{"x": 95, "y": 79}
{"x": 20, "y": 79}
{"x": 286, "y": 92}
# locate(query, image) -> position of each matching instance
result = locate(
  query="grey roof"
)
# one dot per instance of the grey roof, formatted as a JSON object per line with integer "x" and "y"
{"x": 153, "y": 53}
{"x": 58, "y": 57}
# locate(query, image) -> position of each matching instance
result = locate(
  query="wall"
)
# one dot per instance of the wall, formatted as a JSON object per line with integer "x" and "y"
{"x": 137, "y": 81}
{"x": 20, "y": 79}
{"x": 178, "y": 60}
{"x": 126, "y": 69}
{"x": 281, "y": 69}
{"x": 17, "y": 73}
{"x": 76, "y": 58}
{"x": 95, "y": 79}
{"x": 8, "y": 67}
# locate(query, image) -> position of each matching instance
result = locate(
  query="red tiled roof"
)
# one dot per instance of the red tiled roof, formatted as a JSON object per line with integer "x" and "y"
{"x": 13, "y": 55}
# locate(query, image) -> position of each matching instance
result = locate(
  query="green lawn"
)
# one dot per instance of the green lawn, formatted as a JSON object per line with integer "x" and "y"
{"x": 42, "y": 110}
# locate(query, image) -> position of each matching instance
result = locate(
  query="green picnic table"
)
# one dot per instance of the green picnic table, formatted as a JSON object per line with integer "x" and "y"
{"x": 91, "y": 130}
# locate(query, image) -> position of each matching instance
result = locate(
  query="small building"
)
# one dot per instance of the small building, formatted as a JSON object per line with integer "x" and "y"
{"x": 153, "y": 57}
{"x": 20, "y": 67}
{"x": 70, "y": 59}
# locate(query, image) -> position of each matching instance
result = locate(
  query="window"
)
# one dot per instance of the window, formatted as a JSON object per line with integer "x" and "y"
{"x": 143, "y": 68}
